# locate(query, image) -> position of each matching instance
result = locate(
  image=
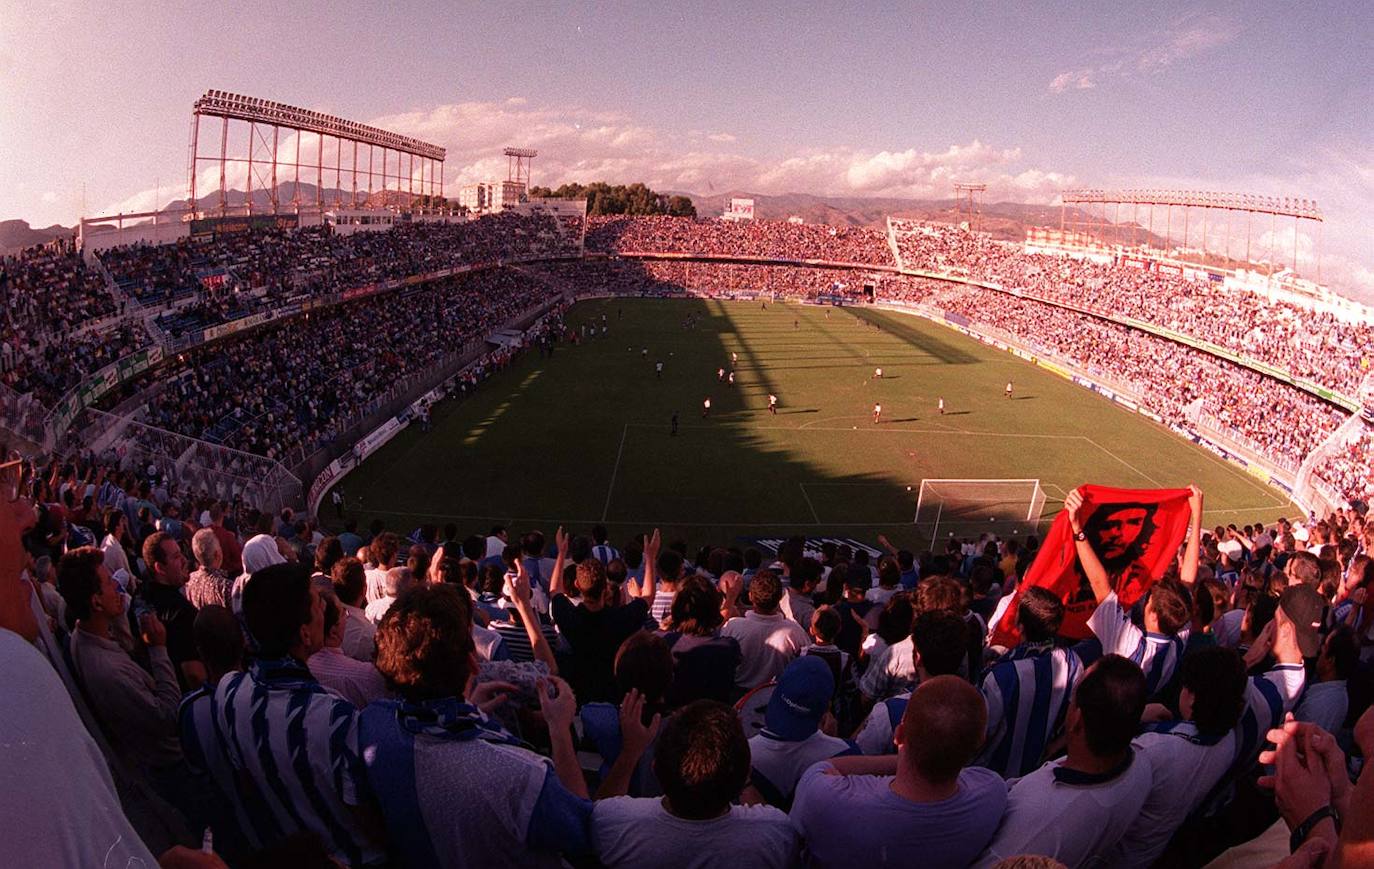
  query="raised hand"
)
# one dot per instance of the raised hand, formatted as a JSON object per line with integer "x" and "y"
{"x": 561, "y": 707}
{"x": 1073, "y": 503}
{"x": 730, "y": 586}
{"x": 1318, "y": 750}
{"x": 1195, "y": 499}
{"x": 635, "y": 735}
{"x": 154, "y": 632}
{"x": 520, "y": 590}
{"x": 489, "y": 695}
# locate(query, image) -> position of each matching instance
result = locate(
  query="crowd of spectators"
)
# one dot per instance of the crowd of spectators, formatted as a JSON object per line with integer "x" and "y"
{"x": 49, "y": 290}
{"x": 52, "y": 298}
{"x": 1349, "y": 467}
{"x": 1283, "y": 422}
{"x": 276, "y": 391}
{"x": 48, "y": 371}
{"x": 1305, "y": 343}
{"x": 201, "y": 684}
{"x": 649, "y": 277}
{"x": 234, "y": 275}
{"x": 767, "y": 239}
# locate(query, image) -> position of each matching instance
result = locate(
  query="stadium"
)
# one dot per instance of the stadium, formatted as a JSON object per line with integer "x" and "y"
{"x": 774, "y": 497}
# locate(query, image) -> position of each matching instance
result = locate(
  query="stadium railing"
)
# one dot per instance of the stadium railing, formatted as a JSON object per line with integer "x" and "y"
{"x": 195, "y": 466}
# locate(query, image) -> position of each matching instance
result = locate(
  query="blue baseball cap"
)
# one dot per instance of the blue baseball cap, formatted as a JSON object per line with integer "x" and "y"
{"x": 800, "y": 699}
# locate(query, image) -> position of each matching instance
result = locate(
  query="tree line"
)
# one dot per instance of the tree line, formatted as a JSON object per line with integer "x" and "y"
{"x": 603, "y": 198}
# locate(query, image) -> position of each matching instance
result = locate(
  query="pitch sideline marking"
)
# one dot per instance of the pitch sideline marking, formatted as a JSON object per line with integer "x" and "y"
{"x": 814, "y": 514}
{"x": 871, "y": 430}
{"x": 1124, "y": 462}
{"x": 610, "y": 490}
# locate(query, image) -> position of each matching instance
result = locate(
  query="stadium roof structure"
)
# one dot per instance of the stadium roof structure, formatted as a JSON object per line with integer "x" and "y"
{"x": 1281, "y": 206}
{"x": 1095, "y": 201}
{"x": 263, "y": 154}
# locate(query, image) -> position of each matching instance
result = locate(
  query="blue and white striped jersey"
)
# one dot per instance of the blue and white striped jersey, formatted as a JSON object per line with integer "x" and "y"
{"x": 1157, "y": 654}
{"x": 1027, "y": 701}
{"x": 605, "y": 553}
{"x": 295, "y": 748}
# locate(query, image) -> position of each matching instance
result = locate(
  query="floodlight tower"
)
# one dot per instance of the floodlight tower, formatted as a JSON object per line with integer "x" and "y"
{"x": 965, "y": 193}
{"x": 518, "y": 164}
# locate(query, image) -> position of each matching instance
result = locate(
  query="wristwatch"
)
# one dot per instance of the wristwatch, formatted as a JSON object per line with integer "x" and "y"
{"x": 1303, "y": 830}
{"x": 1080, "y": 536}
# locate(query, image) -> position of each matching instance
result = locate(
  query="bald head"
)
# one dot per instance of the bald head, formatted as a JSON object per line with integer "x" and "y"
{"x": 943, "y": 727}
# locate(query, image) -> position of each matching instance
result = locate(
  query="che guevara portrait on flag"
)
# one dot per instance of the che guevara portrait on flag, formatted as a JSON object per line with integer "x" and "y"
{"x": 1135, "y": 534}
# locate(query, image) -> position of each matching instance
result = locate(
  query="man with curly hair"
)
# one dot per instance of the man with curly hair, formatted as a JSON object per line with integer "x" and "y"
{"x": 455, "y": 788}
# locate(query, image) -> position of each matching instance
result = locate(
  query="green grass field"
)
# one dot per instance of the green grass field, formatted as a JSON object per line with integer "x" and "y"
{"x": 583, "y": 437}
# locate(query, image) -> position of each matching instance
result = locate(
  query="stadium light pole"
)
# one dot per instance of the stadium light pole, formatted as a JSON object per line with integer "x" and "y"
{"x": 249, "y": 201}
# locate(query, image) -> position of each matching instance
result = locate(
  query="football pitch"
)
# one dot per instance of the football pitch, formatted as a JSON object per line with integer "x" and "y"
{"x": 584, "y": 436}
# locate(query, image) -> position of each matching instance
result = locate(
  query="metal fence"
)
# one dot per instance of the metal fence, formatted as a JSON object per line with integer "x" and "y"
{"x": 193, "y": 467}
{"x": 23, "y": 422}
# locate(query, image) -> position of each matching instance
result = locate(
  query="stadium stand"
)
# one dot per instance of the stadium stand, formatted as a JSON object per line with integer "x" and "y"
{"x": 890, "y": 720}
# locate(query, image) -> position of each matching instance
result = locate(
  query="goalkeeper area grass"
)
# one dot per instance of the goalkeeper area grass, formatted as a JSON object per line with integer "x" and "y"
{"x": 584, "y": 436}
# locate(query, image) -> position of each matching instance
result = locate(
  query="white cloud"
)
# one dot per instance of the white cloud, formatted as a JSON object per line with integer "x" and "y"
{"x": 1186, "y": 38}
{"x": 584, "y": 145}
{"x": 49, "y": 197}
{"x": 1081, "y": 79}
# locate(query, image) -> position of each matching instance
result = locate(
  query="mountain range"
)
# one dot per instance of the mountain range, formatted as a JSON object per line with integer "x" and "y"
{"x": 1007, "y": 221}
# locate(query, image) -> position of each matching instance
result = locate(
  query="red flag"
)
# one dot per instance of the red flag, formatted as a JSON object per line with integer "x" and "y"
{"x": 1136, "y": 534}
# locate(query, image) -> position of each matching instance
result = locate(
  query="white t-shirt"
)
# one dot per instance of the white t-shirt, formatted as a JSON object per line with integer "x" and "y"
{"x": 1075, "y": 818}
{"x": 778, "y": 765}
{"x": 880, "y": 595}
{"x": 891, "y": 671}
{"x": 58, "y": 800}
{"x": 377, "y": 608}
{"x": 375, "y": 583}
{"x": 767, "y": 644}
{"x": 874, "y": 736}
{"x": 1184, "y": 767}
{"x": 630, "y": 832}
{"x": 1232, "y": 548}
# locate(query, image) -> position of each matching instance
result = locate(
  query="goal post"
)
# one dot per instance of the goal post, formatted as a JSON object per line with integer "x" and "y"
{"x": 968, "y": 507}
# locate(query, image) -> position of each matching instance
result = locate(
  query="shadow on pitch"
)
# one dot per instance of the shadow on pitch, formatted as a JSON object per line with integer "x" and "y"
{"x": 611, "y": 459}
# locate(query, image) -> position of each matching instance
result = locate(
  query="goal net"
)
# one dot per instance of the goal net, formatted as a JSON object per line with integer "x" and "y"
{"x": 967, "y": 507}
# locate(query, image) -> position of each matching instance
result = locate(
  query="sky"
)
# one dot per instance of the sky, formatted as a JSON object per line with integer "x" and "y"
{"x": 869, "y": 99}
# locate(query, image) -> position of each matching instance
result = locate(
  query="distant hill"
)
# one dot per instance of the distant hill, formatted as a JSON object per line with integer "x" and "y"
{"x": 15, "y": 235}
{"x": 1005, "y": 220}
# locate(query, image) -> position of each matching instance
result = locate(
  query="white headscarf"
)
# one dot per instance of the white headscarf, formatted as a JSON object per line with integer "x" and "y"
{"x": 259, "y": 552}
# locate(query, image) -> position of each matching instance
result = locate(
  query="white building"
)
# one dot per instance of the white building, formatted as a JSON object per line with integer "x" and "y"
{"x": 489, "y": 196}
